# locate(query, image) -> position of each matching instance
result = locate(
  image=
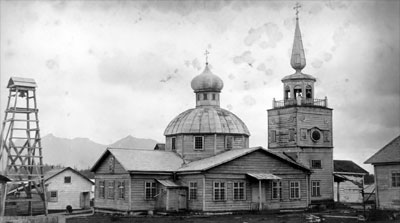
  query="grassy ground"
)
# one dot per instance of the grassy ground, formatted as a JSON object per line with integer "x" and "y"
{"x": 329, "y": 216}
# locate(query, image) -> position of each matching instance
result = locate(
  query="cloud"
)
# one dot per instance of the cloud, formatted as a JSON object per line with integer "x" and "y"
{"x": 317, "y": 63}
{"x": 246, "y": 57}
{"x": 327, "y": 56}
{"x": 271, "y": 32}
{"x": 52, "y": 64}
{"x": 261, "y": 67}
{"x": 249, "y": 100}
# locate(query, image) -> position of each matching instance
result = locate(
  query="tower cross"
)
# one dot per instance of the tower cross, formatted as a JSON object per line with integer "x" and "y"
{"x": 206, "y": 54}
{"x": 296, "y": 7}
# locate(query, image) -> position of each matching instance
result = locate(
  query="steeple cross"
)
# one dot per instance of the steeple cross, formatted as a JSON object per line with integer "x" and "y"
{"x": 206, "y": 54}
{"x": 297, "y": 9}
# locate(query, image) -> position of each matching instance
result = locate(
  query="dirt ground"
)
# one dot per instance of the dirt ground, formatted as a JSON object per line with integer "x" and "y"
{"x": 335, "y": 216}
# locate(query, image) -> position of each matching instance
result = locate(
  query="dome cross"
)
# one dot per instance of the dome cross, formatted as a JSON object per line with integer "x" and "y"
{"x": 297, "y": 9}
{"x": 206, "y": 54}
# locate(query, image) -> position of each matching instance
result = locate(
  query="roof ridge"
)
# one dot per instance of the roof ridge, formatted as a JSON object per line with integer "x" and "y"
{"x": 133, "y": 149}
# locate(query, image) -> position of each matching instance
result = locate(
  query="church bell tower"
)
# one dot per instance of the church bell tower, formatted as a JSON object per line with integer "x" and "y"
{"x": 300, "y": 126}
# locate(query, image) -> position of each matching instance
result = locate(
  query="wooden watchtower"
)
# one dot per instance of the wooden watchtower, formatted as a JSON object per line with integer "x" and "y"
{"x": 21, "y": 152}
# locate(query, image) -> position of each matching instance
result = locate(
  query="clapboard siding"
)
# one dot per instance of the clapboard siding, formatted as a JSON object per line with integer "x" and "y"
{"x": 196, "y": 204}
{"x": 115, "y": 203}
{"x": 256, "y": 162}
{"x": 213, "y": 144}
{"x": 104, "y": 167}
{"x": 68, "y": 193}
{"x": 388, "y": 197}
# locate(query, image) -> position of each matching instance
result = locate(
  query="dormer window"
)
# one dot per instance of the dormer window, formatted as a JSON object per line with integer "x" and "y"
{"x": 198, "y": 142}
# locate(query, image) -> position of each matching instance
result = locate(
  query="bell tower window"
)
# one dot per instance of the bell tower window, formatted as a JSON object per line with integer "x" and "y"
{"x": 287, "y": 92}
{"x": 308, "y": 92}
{"x": 297, "y": 91}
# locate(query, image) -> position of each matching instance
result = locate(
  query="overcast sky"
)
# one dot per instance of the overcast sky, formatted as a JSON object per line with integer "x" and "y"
{"x": 108, "y": 69}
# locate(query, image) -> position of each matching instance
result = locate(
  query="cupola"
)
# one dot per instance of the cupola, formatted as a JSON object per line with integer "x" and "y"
{"x": 207, "y": 87}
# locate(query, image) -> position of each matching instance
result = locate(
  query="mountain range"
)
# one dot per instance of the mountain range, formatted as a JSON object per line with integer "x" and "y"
{"x": 82, "y": 153}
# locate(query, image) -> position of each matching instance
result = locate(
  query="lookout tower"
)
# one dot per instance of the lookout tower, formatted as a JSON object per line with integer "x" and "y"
{"x": 300, "y": 125}
{"x": 21, "y": 150}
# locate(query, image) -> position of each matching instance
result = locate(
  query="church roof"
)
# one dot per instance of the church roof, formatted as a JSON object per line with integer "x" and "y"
{"x": 388, "y": 154}
{"x": 206, "y": 119}
{"x": 143, "y": 160}
{"x": 298, "y": 76}
{"x": 214, "y": 161}
{"x": 298, "y": 59}
{"x": 207, "y": 81}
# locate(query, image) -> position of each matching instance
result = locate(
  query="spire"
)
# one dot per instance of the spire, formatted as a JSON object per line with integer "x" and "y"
{"x": 298, "y": 59}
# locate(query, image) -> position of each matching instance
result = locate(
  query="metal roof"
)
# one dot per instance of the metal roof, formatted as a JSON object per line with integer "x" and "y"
{"x": 388, "y": 154}
{"x": 207, "y": 81}
{"x": 264, "y": 176}
{"x": 168, "y": 183}
{"x": 207, "y": 119}
{"x": 21, "y": 82}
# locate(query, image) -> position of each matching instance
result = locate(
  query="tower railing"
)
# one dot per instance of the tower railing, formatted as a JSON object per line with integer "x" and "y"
{"x": 300, "y": 102}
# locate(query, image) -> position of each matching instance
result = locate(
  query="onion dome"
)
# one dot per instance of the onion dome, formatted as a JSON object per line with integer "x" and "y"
{"x": 206, "y": 120}
{"x": 207, "y": 81}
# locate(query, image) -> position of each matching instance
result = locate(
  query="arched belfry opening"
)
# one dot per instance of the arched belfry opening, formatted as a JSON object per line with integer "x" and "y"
{"x": 309, "y": 92}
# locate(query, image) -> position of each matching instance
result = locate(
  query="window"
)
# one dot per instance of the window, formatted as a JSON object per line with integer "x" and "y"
{"x": 198, "y": 97}
{"x": 238, "y": 191}
{"x": 276, "y": 190}
{"x": 315, "y": 189}
{"x": 173, "y": 143}
{"x": 53, "y": 196}
{"x": 315, "y": 135}
{"x": 150, "y": 190}
{"x": 214, "y": 97}
{"x": 110, "y": 190}
{"x": 192, "y": 190}
{"x": 102, "y": 189}
{"x": 308, "y": 91}
{"x": 121, "y": 190}
{"x": 294, "y": 190}
{"x": 303, "y": 133}
{"x": 316, "y": 164}
{"x": 67, "y": 180}
{"x": 291, "y": 134}
{"x": 229, "y": 142}
{"x": 204, "y": 96}
{"x": 198, "y": 142}
{"x": 111, "y": 164}
{"x": 273, "y": 136}
{"x": 326, "y": 136}
{"x": 219, "y": 191}
{"x": 395, "y": 178}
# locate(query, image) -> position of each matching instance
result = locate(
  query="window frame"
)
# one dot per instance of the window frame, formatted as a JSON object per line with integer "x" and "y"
{"x": 121, "y": 190}
{"x": 227, "y": 138}
{"x": 221, "y": 191}
{"x": 276, "y": 190}
{"x": 317, "y": 187}
{"x": 102, "y": 189}
{"x": 192, "y": 190}
{"x": 150, "y": 191}
{"x": 314, "y": 166}
{"x": 111, "y": 190}
{"x": 239, "y": 191}
{"x": 173, "y": 143}
{"x": 202, "y": 143}
{"x": 395, "y": 180}
{"x": 295, "y": 188}
{"x": 53, "y": 198}
{"x": 273, "y": 136}
{"x": 65, "y": 179}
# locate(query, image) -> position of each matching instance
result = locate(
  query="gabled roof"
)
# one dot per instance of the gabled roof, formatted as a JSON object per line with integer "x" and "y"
{"x": 159, "y": 146}
{"x": 388, "y": 154}
{"x": 347, "y": 166}
{"x": 214, "y": 161}
{"x": 143, "y": 160}
{"x": 54, "y": 172}
{"x": 21, "y": 82}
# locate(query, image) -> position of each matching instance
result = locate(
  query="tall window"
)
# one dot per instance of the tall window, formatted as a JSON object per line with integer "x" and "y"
{"x": 276, "y": 190}
{"x": 53, "y": 196}
{"x": 67, "y": 180}
{"x": 110, "y": 190}
{"x": 316, "y": 164}
{"x": 229, "y": 142}
{"x": 273, "y": 136}
{"x": 238, "y": 191}
{"x": 150, "y": 190}
{"x": 173, "y": 143}
{"x": 198, "y": 97}
{"x": 121, "y": 189}
{"x": 315, "y": 189}
{"x": 294, "y": 190}
{"x": 395, "y": 178}
{"x": 219, "y": 191}
{"x": 303, "y": 133}
{"x": 102, "y": 189}
{"x": 198, "y": 142}
{"x": 326, "y": 136}
{"x": 214, "y": 97}
{"x": 192, "y": 190}
{"x": 204, "y": 96}
{"x": 291, "y": 134}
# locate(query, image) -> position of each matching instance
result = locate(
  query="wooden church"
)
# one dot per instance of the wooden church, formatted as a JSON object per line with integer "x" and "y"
{"x": 207, "y": 165}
